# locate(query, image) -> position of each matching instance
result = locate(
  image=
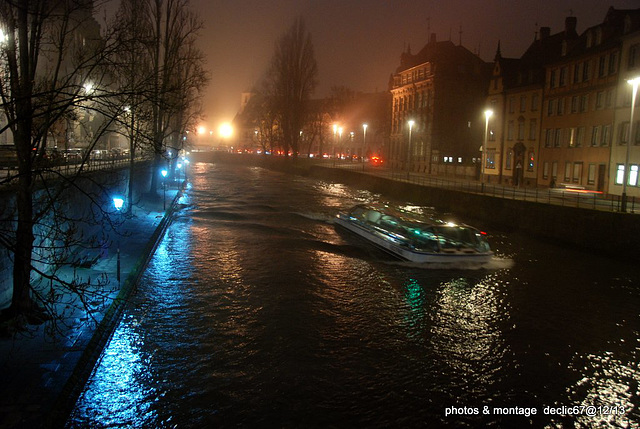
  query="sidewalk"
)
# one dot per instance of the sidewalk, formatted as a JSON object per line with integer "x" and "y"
{"x": 40, "y": 376}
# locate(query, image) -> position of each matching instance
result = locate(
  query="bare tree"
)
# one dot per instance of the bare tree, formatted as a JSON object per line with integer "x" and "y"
{"x": 292, "y": 79}
{"x": 51, "y": 61}
{"x": 173, "y": 27}
{"x": 132, "y": 71}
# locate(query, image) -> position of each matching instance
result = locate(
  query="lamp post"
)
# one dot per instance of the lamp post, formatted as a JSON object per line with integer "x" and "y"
{"x": 411, "y": 122}
{"x": 634, "y": 92}
{"x": 364, "y": 143}
{"x": 164, "y": 189}
{"x": 118, "y": 203}
{"x": 340, "y": 141}
{"x": 333, "y": 146}
{"x": 487, "y": 114}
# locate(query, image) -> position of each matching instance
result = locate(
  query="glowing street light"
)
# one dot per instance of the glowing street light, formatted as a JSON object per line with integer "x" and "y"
{"x": 88, "y": 87}
{"x": 333, "y": 146}
{"x": 411, "y": 123}
{"x": 364, "y": 137}
{"x": 118, "y": 203}
{"x": 225, "y": 130}
{"x": 164, "y": 188}
{"x": 487, "y": 114}
{"x": 634, "y": 92}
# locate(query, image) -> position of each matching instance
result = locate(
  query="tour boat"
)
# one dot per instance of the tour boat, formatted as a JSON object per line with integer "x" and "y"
{"x": 414, "y": 238}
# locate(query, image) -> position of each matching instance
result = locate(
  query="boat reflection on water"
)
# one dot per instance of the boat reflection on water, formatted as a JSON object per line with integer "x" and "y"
{"x": 414, "y": 238}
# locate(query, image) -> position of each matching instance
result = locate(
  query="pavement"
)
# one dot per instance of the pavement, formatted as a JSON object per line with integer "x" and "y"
{"x": 42, "y": 375}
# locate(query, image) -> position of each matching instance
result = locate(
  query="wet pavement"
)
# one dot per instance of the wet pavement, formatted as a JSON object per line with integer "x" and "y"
{"x": 40, "y": 373}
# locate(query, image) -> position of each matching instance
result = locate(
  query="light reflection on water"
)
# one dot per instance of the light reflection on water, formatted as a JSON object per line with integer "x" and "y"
{"x": 122, "y": 390}
{"x": 612, "y": 387}
{"x": 256, "y": 312}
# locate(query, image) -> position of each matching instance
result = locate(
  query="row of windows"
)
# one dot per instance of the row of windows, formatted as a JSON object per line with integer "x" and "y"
{"x": 490, "y": 160}
{"x": 572, "y": 172}
{"x": 580, "y": 103}
{"x": 576, "y": 136}
{"x": 535, "y": 101}
{"x": 633, "y": 175}
{"x": 413, "y": 101}
{"x": 414, "y": 75}
{"x": 582, "y": 72}
{"x": 519, "y": 130}
{"x": 558, "y": 106}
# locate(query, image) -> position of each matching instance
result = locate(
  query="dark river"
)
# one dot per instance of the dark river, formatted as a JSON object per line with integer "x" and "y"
{"x": 255, "y": 311}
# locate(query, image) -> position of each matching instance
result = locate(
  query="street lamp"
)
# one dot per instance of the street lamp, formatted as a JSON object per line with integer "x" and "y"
{"x": 487, "y": 114}
{"x": 340, "y": 141}
{"x": 333, "y": 146}
{"x": 118, "y": 203}
{"x": 411, "y": 122}
{"x": 364, "y": 143}
{"x": 634, "y": 91}
{"x": 164, "y": 188}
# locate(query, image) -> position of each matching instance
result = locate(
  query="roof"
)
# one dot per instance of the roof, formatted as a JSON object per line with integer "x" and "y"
{"x": 438, "y": 53}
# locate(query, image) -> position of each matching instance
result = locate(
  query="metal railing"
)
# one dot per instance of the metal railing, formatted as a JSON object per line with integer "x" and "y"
{"x": 68, "y": 168}
{"x": 557, "y": 196}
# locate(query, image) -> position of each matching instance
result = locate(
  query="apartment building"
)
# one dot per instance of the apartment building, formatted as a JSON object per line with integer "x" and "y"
{"x": 515, "y": 100}
{"x": 621, "y": 149}
{"x": 438, "y": 96}
{"x": 580, "y": 107}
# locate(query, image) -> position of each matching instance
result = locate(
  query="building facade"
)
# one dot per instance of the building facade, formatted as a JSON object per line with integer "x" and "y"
{"x": 515, "y": 99}
{"x": 621, "y": 148}
{"x": 561, "y": 112}
{"x": 579, "y": 110}
{"x": 437, "y": 99}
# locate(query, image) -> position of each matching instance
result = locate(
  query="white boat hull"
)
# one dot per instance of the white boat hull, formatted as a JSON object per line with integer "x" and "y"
{"x": 402, "y": 251}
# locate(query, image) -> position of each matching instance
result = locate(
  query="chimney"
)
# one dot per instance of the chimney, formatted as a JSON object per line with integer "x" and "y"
{"x": 545, "y": 32}
{"x": 570, "y": 23}
{"x": 433, "y": 38}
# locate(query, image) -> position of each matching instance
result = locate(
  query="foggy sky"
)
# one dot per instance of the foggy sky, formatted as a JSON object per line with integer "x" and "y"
{"x": 358, "y": 42}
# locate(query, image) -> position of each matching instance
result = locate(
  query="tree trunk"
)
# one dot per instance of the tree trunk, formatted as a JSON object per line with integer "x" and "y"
{"x": 21, "y": 302}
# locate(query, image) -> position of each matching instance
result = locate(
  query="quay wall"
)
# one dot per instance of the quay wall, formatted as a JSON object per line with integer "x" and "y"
{"x": 612, "y": 233}
{"x": 97, "y": 188}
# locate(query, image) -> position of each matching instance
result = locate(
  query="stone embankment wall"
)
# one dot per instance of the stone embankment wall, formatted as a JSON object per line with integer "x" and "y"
{"x": 83, "y": 203}
{"x": 617, "y": 234}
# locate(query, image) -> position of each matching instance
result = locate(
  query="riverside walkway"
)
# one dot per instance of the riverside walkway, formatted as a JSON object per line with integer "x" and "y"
{"x": 41, "y": 374}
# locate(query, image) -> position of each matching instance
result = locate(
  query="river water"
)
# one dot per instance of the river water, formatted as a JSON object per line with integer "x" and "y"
{"x": 255, "y": 311}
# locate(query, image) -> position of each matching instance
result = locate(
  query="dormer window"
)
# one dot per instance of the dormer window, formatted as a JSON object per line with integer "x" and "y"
{"x": 589, "y": 39}
{"x": 564, "y": 48}
{"x": 598, "y": 36}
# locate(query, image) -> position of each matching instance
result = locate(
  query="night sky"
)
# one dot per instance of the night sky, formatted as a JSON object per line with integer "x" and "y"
{"x": 358, "y": 42}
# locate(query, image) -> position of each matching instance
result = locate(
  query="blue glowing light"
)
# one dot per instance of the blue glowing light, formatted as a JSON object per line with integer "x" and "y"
{"x": 118, "y": 203}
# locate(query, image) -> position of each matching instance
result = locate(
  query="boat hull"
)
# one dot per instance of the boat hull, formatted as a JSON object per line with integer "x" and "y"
{"x": 403, "y": 252}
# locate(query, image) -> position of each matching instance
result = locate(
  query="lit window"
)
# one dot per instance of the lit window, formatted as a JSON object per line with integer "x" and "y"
{"x": 633, "y": 175}
{"x": 620, "y": 174}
